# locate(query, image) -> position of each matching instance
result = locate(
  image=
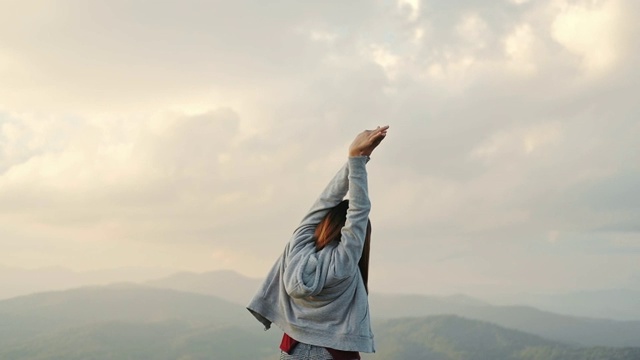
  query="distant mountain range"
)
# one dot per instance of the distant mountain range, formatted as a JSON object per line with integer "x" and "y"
{"x": 571, "y": 329}
{"x": 45, "y": 312}
{"x": 17, "y": 282}
{"x": 446, "y": 337}
{"x": 564, "y": 328}
{"x": 237, "y": 289}
{"x": 616, "y": 304}
{"x": 128, "y": 321}
{"x": 228, "y": 285}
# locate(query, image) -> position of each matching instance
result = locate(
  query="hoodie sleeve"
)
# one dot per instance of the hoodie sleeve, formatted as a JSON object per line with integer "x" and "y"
{"x": 331, "y": 196}
{"x": 307, "y": 271}
{"x": 347, "y": 253}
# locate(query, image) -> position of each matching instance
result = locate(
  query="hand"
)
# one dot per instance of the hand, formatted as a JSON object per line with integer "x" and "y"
{"x": 367, "y": 141}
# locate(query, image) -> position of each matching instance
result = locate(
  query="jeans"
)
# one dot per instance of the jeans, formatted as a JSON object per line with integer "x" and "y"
{"x": 306, "y": 352}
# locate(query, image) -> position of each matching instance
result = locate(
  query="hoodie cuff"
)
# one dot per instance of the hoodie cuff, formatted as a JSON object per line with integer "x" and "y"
{"x": 360, "y": 158}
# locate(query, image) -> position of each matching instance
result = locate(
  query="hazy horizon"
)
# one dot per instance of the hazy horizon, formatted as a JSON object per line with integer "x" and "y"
{"x": 139, "y": 275}
{"x": 194, "y": 136}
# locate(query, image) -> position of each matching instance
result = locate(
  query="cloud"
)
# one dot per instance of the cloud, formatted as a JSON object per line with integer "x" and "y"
{"x": 591, "y": 30}
{"x": 474, "y": 30}
{"x": 553, "y": 236}
{"x": 518, "y": 142}
{"x": 165, "y": 54}
{"x": 410, "y": 7}
{"x": 207, "y": 129}
{"x": 93, "y": 176}
{"x": 387, "y": 60}
{"x": 519, "y": 49}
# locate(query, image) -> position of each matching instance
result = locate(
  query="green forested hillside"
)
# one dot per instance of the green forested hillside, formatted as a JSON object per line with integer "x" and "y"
{"x": 563, "y": 328}
{"x": 447, "y": 337}
{"x": 166, "y": 340}
{"x": 43, "y": 313}
{"x": 129, "y": 322}
{"x": 134, "y": 322}
{"x": 560, "y": 327}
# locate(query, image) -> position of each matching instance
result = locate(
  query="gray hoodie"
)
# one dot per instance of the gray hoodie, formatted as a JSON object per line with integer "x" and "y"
{"x": 318, "y": 297}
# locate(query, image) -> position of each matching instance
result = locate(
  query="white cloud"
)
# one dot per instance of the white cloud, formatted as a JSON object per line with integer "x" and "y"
{"x": 323, "y": 36}
{"x": 216, "y": 135}
{"x": 473, "y": 30}
{"x": 592, "y": 31}
{"x": 89, "y": 167}
{"x": 454, "y": 72}
{"x": 412, "y": 7}
{"x": 386, "y": 59}
{"x": 519, "y": 48}
{"x": 540, "y": 136}
{"x": 493, "y": 146}
{"x": 418, "y": 34}
{"x": 517, "y": 143}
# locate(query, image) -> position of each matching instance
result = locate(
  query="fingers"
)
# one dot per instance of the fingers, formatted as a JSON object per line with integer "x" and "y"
{"x": 376, "y": 136}
{"x": 382, "y": 130}
{"x": 368, "y": 140}
{"x": 378, "y": 133}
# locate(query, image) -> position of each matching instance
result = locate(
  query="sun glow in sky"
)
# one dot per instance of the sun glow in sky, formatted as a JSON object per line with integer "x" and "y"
{"x": 194, "y": 135}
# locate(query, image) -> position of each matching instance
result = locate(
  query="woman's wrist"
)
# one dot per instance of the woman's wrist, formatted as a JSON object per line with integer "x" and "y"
{"x": 352, "y": 156}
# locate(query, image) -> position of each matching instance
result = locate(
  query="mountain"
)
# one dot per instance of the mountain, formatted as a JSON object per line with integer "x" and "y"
{"x": 18, "y": 282}
{"x": 32, "y": 315}
{"x": 127, "y": 321}
{"x": 228, "y": 285}
{"x": 237, "y": 290}
{"x": 618, "y": 304}
{"x": 232, "y": 286}
{"x": 160, "y": 340}
{"x": 570, "y": 329}
{"x": 579, "y": 330}
{"x": 447, "y": 337}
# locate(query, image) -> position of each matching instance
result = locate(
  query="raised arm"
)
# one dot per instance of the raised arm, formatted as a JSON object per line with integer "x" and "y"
{"x": 330, "y": 197}
{"x": 362, "y": 146}
{"x": 308, "y": 271}
{"x": 349, "y": 250}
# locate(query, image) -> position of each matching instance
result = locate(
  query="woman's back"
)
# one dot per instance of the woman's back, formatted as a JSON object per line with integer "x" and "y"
{"x": 316, "y": 292}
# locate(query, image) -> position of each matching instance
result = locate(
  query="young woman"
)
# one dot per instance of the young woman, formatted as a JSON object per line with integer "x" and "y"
{"x": 317, "y": 290}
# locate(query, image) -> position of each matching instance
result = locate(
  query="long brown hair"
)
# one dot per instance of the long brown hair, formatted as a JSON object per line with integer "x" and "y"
{"x": 329, "y": 229}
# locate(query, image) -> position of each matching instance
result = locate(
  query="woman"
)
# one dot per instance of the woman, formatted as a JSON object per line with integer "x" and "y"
{"x": 316, "y": 292}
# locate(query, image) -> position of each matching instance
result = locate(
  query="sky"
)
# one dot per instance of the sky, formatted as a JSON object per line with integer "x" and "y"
{"x": 194, "y": 135}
